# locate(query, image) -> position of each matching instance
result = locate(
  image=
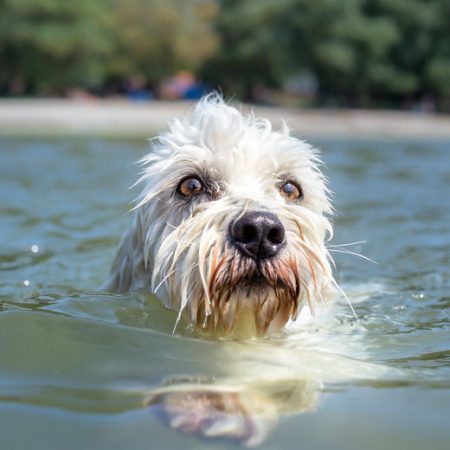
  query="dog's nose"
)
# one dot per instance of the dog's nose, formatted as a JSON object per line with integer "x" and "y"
{"x": 258, "y": 235}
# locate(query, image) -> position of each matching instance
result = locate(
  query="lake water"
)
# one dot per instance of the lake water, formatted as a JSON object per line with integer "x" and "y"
{"x": 76, "y": 363}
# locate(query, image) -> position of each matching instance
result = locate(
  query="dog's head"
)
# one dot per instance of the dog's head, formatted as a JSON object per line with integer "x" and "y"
{"x": 232, "y": 221}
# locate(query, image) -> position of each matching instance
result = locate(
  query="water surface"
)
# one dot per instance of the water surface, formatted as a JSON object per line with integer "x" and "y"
{"x": 76, "y": 363}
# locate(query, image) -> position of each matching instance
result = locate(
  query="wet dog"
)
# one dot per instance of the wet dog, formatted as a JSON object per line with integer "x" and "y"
{"x": 230, "y": 231}
{"x": 230, "y": 227}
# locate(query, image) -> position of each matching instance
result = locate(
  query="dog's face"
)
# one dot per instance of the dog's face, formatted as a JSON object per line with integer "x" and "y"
{"x": 231, "y": 222}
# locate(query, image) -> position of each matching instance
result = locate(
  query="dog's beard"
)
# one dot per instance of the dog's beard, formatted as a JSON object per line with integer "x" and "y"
{"x": 199, "y": 273}
{"x": 239, "y": 286}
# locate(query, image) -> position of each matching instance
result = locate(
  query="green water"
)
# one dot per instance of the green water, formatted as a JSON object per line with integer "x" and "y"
{"x": 76, "y": 363}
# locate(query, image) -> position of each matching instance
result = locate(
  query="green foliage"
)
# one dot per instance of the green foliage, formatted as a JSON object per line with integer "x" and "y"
{"x": 361, "y": 52}
{"x": 53, "y": 45}
{"x": 155, "y": 38}
{"x": 250, "y": 56}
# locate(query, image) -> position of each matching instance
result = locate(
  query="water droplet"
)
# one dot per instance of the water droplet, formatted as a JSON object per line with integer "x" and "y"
{"x": 26, "y": 282}
{"x": 34, "y": 248}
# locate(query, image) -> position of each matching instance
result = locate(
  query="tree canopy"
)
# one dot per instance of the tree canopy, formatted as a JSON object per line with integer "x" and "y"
{"x": 56, "y": 44}
{"x": 359, "y": 52}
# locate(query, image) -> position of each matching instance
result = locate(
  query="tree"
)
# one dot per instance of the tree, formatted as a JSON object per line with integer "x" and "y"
{"x": 50, "y": 44}
{"x": 156, "y": 38}
{"x": 362, "y": 52}
{"x": 251, "y": 50}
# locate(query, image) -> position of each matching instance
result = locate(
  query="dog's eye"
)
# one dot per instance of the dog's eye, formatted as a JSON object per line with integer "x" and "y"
{"x": 190, "y": 186}
{"x": 291, "y": 190}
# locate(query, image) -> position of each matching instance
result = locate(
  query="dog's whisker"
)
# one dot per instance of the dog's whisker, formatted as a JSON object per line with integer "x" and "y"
{"x": 348, "y": 252}
{"x": 347, "y": 244}
{"x": 330, "y": 259}
{"x": 336, "y": 285}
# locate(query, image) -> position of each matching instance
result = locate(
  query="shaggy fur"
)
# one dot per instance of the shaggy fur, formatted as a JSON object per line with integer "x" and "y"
{"x": 178, "y": 248}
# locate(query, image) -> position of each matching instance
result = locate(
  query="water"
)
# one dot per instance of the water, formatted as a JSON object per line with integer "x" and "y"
{"x": 76, "y": 363}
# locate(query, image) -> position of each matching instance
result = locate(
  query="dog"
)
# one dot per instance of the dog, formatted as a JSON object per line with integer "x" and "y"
{"x": 230, "y": 231}
{"x": 230, "y": 227}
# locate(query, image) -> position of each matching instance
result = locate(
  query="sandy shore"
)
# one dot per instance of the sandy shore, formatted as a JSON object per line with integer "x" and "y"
{"x": 38, "y": 117}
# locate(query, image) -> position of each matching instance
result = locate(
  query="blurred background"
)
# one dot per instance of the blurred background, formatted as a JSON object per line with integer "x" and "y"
{"x": 348, "y": 53}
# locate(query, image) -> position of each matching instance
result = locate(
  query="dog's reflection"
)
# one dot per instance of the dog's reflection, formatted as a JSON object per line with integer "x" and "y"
{"x": 251, "y": 383}
{"x": 242, "y": 410}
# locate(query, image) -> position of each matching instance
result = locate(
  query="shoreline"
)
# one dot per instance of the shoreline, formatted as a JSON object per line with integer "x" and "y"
{"x": 123, "y": 118}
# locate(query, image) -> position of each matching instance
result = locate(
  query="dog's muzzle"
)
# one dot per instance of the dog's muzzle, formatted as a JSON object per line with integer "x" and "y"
{"x": 257, "y": 234}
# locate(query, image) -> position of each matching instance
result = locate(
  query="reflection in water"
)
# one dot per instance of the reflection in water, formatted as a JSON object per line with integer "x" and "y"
{"x": 241, "y": 409}
{"x": 250, "y": 384}
{"x": 245, "y": 412}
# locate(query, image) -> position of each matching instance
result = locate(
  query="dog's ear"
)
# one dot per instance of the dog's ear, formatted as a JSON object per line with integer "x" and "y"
{"x": 120, "y": 278}
{"x": 127, "y": 270}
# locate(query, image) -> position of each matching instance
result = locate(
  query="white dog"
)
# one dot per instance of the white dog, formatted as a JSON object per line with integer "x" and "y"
{"x": 229, "y": 230}
{"x": 230, "y": 227}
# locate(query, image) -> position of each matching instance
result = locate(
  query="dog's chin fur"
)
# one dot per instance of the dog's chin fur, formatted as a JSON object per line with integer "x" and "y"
{"x": 247, "y": 297}
{"x": 179, "y": 248}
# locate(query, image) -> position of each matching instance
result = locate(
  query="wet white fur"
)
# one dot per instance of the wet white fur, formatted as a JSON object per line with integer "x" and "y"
{"x": 168, "y": 249}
